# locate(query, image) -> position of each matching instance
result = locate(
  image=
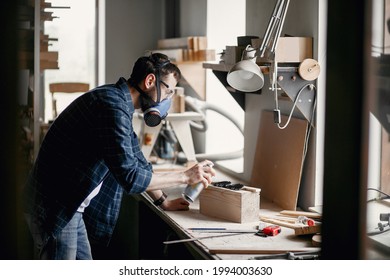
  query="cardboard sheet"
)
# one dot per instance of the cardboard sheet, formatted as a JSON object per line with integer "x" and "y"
{"x": 278, "y": 162}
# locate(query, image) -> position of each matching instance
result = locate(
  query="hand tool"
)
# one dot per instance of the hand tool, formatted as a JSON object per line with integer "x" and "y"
{"x": 269, "y": 231}
{"x": 204, "y": 237}
{"x": 306, "y": 221}
{"x": 270, "y": 253}
{"x": 298, "y": 229}
{"x": 304, "y": 255}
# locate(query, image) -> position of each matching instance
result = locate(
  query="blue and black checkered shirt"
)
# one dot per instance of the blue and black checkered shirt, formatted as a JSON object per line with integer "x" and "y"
{"x": 91, "y": 141}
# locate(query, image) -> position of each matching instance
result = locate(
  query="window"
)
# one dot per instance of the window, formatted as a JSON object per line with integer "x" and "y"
{"x": 222, "y": 135}
{"x": 75, "y": 31}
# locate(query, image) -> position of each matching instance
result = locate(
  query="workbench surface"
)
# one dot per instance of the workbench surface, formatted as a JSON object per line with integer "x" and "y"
{"x": 240, "y": 246}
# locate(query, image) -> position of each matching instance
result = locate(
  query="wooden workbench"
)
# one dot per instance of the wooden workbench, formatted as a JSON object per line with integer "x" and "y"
{"x": 241, "y": 246}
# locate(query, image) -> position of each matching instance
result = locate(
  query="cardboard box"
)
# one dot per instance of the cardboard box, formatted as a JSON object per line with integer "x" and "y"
{"x": 241, "y": 206}
{"x": 289, "y": 49}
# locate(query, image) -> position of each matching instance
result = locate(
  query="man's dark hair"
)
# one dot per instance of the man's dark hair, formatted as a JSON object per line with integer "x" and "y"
{"x": 152, "y": 64}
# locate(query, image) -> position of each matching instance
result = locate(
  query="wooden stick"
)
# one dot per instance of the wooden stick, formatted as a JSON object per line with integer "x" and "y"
{"x": 258, "y": 251}
{"x": 203, "y": 237}
{"x": 301, "y": 213}
{"x": 287, "y": 219}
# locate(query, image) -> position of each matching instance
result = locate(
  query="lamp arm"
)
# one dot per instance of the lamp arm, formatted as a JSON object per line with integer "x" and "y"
{"x": 280, "y": 25}
{"x": 271, "y": 27}
{"x": 266, "y": 37}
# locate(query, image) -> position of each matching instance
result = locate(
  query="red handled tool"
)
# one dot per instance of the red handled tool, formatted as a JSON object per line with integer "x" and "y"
{"x": 269, "y": 231}
{"x": 306, "y": 221}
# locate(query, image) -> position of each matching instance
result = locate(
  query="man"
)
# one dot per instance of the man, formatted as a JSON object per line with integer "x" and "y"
{"x": 90, "y": 156}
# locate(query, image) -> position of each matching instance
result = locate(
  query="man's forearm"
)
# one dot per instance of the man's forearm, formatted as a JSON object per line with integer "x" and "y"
{"x": 164, "y": 180}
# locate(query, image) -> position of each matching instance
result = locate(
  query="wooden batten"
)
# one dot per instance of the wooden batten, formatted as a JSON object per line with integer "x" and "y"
{"x": 298, "y": 229}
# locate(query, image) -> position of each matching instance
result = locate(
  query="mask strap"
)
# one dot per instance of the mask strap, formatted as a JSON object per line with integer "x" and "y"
{"x": 142, "y": 93}
{"x": 159, "y": 66}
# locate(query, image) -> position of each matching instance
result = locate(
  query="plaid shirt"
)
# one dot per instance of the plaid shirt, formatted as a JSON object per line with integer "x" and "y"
{"x": 91, "y": 141}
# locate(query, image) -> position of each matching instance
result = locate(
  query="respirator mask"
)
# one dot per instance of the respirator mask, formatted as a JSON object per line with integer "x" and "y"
{"x": 154, "y": 112}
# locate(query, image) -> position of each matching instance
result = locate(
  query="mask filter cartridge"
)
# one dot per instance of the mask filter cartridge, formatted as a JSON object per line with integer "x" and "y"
{"x": 155, "y": 114}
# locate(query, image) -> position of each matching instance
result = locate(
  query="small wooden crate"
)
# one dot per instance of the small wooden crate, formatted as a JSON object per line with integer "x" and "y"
{"x": 241, "y": 206}
{"x": 289, "y": 49}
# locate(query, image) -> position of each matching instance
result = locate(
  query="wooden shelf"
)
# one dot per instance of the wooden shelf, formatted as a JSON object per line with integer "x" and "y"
{"x": 35, "y": 57}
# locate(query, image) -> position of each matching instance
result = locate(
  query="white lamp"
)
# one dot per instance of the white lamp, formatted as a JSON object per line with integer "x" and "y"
{"x": 246, "y": 76}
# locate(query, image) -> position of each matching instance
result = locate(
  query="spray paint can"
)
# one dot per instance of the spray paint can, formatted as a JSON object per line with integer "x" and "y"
{"x": 191, "y": 192}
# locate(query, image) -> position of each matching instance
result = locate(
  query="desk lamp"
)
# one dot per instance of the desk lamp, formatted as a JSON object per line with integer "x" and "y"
{"x": 246, "y": 75}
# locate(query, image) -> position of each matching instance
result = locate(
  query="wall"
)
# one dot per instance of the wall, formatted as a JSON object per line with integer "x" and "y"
{"x": 131, "y": 28}
{"x": 309, "y": 13}
{"x": 135, "y": 26}
{"x": 193, "y": 18}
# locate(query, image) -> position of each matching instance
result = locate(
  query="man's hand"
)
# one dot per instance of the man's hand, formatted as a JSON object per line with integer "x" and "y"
{"x": 175, "y": 204}
{"x": 200, "y": 172}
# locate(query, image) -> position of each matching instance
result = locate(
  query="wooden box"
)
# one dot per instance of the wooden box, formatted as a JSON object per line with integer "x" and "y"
{"x": 289, "y": 49}
{"x": 241, "y": 206}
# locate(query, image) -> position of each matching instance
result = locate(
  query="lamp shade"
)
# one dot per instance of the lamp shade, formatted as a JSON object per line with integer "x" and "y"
{"x": 246, "y": 76}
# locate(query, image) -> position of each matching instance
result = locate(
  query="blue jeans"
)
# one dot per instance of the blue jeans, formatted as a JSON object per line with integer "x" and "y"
{"x": 70, "y": 244}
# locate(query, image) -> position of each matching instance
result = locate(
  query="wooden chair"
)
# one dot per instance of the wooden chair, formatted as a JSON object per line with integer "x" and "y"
{"x": 66, "y": 87}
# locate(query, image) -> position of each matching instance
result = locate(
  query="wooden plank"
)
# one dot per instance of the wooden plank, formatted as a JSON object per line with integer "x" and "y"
{"x": 203, "y": 237}
{"x": 176, "y": 43}
{"x": 69, "y": 87}
{"x": 204, "y": 55}
{"x": 278, "y": 160}
{"x": 50, "y": 56}
{"x": 201, "y": 42}
{"x": 45, "y": 55}
{"x": 301, "y": 213}
{"x": 48, "y": 65}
